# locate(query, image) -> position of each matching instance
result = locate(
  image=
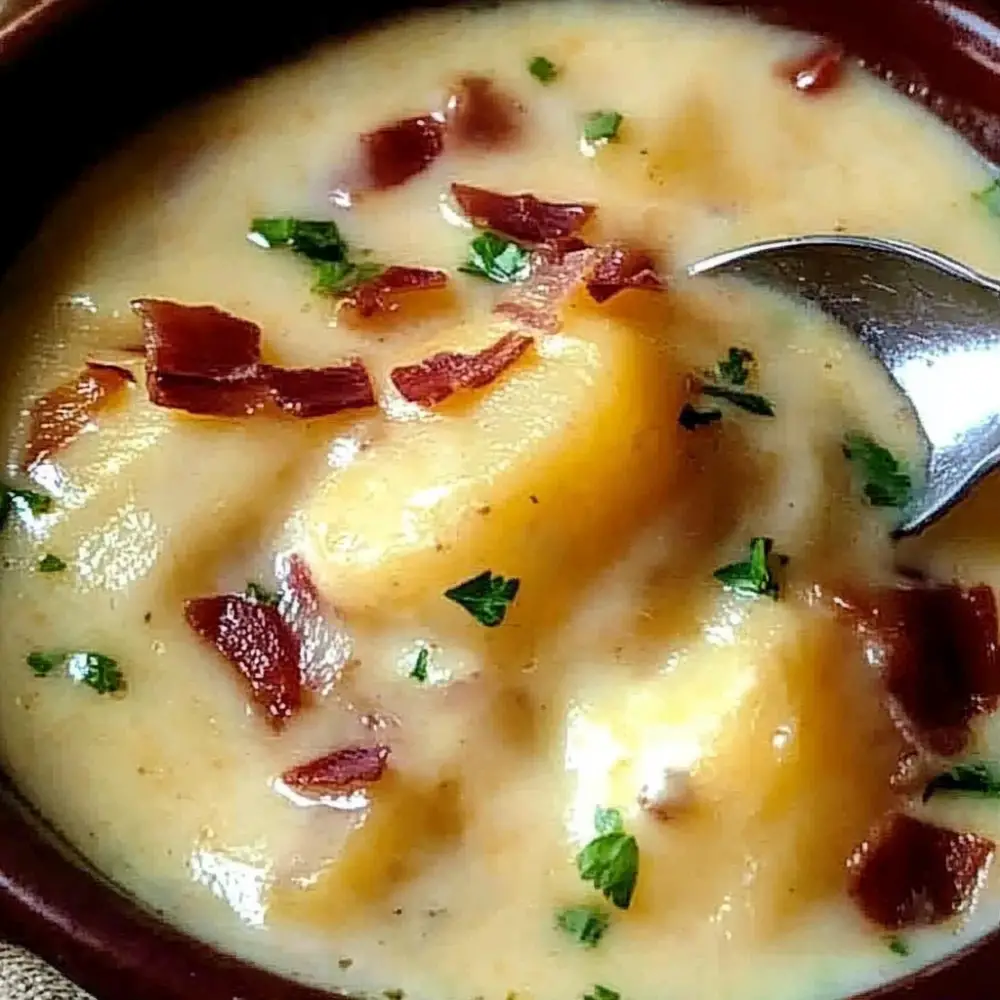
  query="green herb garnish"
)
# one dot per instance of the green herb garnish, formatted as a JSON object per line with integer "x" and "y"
{"x": 887, "y": 482}
{"x": 419, "y": 671}
{"x": 542, "y": 69}
{"x": 734, "y": 369}
{"x": 728, "y": 381}
{"x": 587, "y": 924}
{"x": 611, "y": 860}
{"x": 313, "y": 238}
{"x": 602, "y": 993}
{"x": 261, "y": 595}
{"x": 34, "y": 503}
{"x": 500, "y": 260}
{"x": 93, "y": 669}
{"x": 990, "y": 197}
{"x": 339, "y": 277}
{"x": 44, "y": 663}
{"x": 692, "y": 418}
{"x": 486, "y": 597}
{"x": 51, "y": 564}
{"x": 752, "y": 402}
{"x": 967, "y": 779}
{"x": 899, "y": 947}
{"x": 756, "y": 576}
{"x": 602, "y": 126}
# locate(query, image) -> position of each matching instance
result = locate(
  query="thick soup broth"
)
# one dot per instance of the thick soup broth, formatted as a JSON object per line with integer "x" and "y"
{"x": 550, "y": 638}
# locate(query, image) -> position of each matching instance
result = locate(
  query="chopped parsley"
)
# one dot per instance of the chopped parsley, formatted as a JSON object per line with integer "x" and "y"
{"x": 691, "y": 418}
{"x": 486, "y": 597}
{"x": 500, "y": 260}
{"x": 34, "y": 503}
{"x": 602, "y": 126}
{"x": 899, "y": 947}
{"x": 752, "y": 402}
{"x": 602, "y": 993}
{"x": 96, "y": 670}
{"x": 980, "y": 780}
{"x": 51, "y": 564}
{"x": 315, "y": 239}
{"x": 728, "y": 381}
{"x": 756, "y": 576}
{"x": 419, "y": 671}
{"x": 542, "y": 69}
{"x": 587, "y": 924}
{"x": 990, "y": 197}
{"x": 261, "y": 595}
{"x": 611, "y": 860}
{"x": 887, "y": 482}
{"x": 320, "y": 242}
{"x": 735, "y": 367}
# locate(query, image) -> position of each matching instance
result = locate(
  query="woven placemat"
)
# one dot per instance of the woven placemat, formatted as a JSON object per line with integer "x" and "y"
{"x": 24, "y": 977}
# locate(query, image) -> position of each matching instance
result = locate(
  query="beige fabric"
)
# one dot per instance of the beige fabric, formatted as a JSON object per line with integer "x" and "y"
{"x": 24, "y": 977}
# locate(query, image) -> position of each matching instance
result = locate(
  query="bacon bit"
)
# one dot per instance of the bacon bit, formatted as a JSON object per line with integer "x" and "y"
{"x": 64, "y": 413}
{"x": 939, "y": 653}
{"x": 201, "y": 359}
{"x": 910, "y": 872}
{"x": 619, "y": 268}
{"x": 391, "y": 155}
{"x": 256, "y": 640}
{"x": 320, "y": 392}
{"x": 481, "y": 115}
{"x": 377, "y": 295}
{"x": 521, "y": 216}
{"x": 346, "y": 770}
{"x": 556, "y": 269}
{"x": 442, "y": 374}
{"x": 817, "y": 71}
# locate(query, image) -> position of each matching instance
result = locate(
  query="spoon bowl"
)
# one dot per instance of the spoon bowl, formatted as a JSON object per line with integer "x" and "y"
{"x": 933, "y": 324}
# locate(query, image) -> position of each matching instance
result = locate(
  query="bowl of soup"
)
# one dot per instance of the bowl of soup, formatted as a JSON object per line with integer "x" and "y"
{"x": 413, "y": 584}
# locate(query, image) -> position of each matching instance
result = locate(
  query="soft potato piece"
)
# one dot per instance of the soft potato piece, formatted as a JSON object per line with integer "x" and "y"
{"x": 790, "y": 753}
{"x": 542, "y": 475}
{"x": 408, "y": 819}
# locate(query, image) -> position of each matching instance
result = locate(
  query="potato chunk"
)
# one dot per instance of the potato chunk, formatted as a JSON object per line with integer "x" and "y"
{"x": 542, "y": 475}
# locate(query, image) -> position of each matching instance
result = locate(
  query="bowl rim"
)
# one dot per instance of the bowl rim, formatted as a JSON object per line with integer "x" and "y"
{"x": 55, "y": 904}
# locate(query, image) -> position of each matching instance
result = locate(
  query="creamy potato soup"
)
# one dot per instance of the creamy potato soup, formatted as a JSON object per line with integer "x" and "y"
{"x": 413, "y": 583}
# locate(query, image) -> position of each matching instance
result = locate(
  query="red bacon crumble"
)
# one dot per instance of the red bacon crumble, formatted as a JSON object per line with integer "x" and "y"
{"x": 378, "y": 294}
{"x": 65, "y": 412}
{"x": 320, "y": 392}
{"x": 818, "y": 71}
{"x": 441, "y": 375}
{"x": 479, "y": 114}
{"x": 619, "y": 268}
{"x": 394, "y": 153}
{"x": 521, "y": 216}
{"x": 910, "y": 872}
{"x": 258, "y": 642}
{"x": 939, "y": 655}
{"x": 346, "y": 770}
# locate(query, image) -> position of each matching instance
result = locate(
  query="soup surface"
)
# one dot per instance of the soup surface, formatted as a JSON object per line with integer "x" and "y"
{"x": 546, "y": 638}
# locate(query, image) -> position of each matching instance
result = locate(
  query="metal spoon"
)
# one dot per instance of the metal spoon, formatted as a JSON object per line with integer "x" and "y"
{"x": 933, "y": 323}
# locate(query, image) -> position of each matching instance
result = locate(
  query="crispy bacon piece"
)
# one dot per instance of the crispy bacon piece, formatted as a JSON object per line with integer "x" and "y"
{"x": 819, "y": 70}
{"x": 910, "y": 872}
{"x": 345, "y": 770}
{"x": 320, "y": 392}
{"x": 521, "y": 216}
{"x": 378, "y": 294}
{"x": 939, "y": 656}
{"x": 556, "y": 270}
{"x": 442, "y": 374}
{"x": 392, "y": 154}
{"x": 201, "y": 359}
{"x": 66, "y": 411}
{"x": 256, "y": 640}
{"x": 619, "y": 268}
{"x": 479, "y": 114}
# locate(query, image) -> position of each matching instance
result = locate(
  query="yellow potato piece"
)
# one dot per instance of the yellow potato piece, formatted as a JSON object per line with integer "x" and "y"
{"x": 542, "y": 475}
{"x": 407, "y": 821}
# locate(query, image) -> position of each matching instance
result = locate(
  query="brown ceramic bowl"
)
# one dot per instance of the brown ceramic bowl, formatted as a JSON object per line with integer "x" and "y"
{"x": 78, "y": 75}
